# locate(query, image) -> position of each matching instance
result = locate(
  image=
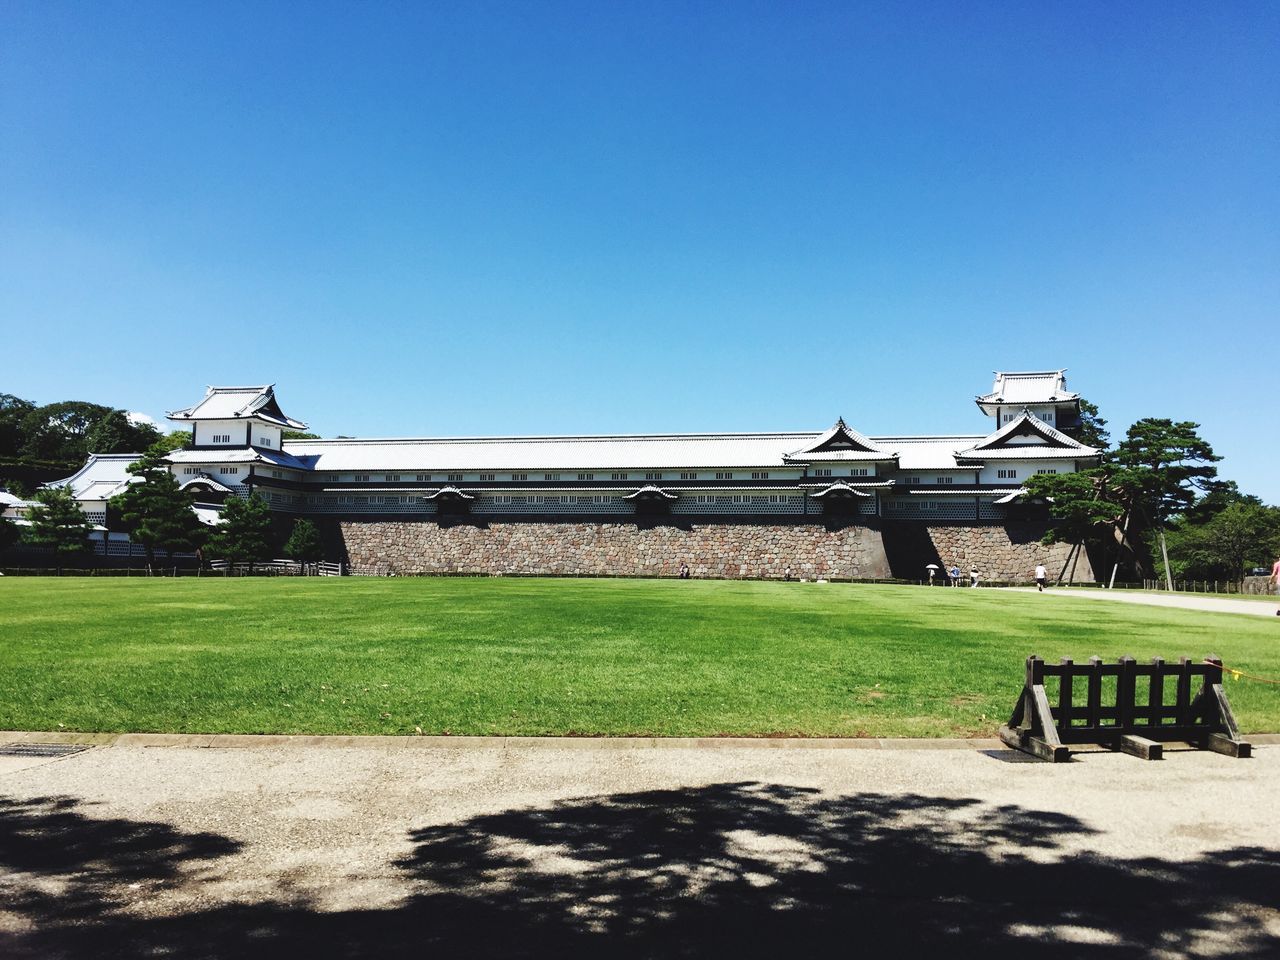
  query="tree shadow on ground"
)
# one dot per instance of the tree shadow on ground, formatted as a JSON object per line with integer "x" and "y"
{"x": 739, "y": 869}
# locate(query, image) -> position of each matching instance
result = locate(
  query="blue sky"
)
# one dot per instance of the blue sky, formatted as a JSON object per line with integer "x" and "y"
{"x": 444, "y": 219}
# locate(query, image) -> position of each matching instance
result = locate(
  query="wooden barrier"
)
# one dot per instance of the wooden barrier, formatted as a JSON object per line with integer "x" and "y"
{"x": 1141, "y": 729}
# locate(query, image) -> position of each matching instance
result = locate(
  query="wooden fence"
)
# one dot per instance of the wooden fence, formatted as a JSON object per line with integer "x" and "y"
{"x": 1115, "y": 714}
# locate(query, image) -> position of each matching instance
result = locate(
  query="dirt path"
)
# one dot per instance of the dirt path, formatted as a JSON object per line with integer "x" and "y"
{"x": 541, "y": 849}
{"x": 1212, "y": 604}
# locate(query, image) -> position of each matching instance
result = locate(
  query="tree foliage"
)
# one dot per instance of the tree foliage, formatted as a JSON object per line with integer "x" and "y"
{"x": 298, "y": 435}
{"x": 13, "y": 411}
{"x": 1161, "y": 465}
{"x": 304, "y": 543}
{"x": 116, "y": 433}
{"x": 244, "y": 536}
{"x": 1239, "y": 536}
{"x": 156, "y": 512}
{"x": 1092, "y": 429}
{"x": 1080, "y": 504}
{"x": 58, "y": 522}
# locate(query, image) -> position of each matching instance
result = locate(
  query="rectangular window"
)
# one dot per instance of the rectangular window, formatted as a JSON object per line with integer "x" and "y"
{"x": 488, "y": 477}
{"x": 759, "y": 474}
{"x": 231, "y": 471}
{"x": 277, "y": 474}
{"x": 822, "y": 472}
{"x": 551, "y": 476}
{"x": 191, "y": 470}
{"x": 621, "y": 476}
{"x": 653, "y": 476}
{"x": 1047, "y": 470}
{"x": 1007, "y": 474}
{"x": 943, "y": 480}
{"x": 264, "y": 441}
{"x": 519, "y": 476}
{"x": 724, "y": 476}
{"x": 688, "y": 476}
{"x": 222, "y": 438}
{"x": 586, "y": 476}
{"x": 912, "y": 479}
{"x": 423, "y": 478}
{"x": 858, "y": 472}
{"x": 454, "y": 477}
{"x": 392, "y": 477}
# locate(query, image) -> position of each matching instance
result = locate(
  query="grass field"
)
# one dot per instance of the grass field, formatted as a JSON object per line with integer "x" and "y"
{"x": 523, "y": 656}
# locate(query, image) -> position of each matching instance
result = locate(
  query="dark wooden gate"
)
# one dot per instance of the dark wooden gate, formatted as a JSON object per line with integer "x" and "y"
{"x": 1123, "y": 722}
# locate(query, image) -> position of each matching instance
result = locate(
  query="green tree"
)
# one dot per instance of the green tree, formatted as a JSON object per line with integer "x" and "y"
{"x": 58, "y": 522}
{"x": 1160, "y": 465}
{"x": 156, "y": 513}
{"x": 171, "y": 441}
{"x": 304, "y": 543}
{"x": 298, "y": 435}
{"x": 244, "y": 536}
{"x": 59, "y": 431}
{"x": 13, "y": 412}
{"x": 1080, "y": 507}
{"x": 116, "y": 433}
{"x": 1240, "y": 535}
{"x": 1091, "y": 430}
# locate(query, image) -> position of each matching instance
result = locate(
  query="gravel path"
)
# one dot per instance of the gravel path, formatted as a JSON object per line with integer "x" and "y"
{"x": 509, "y": 848}
{"x": 1181, "y": 601}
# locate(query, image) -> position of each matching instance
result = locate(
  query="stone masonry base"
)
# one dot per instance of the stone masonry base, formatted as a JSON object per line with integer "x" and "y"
{"x": 863, "y": 550}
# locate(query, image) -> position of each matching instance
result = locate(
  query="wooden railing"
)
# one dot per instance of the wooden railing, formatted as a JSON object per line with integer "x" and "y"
{"x": 1124, "y": 722}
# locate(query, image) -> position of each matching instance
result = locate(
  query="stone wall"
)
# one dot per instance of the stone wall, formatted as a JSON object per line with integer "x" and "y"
{"x": 716, "y": 550}
{"x": 1001, "y": 551}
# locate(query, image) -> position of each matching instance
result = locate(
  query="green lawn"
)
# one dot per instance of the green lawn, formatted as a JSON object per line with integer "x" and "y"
{"x": 523, "y": 656}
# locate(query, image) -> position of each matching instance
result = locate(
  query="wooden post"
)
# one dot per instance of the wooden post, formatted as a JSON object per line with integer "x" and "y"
{"x": 1155, "y": 695}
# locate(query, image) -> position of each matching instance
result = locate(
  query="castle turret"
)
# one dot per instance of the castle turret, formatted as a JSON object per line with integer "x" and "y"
{"x": 1043, "y": 394}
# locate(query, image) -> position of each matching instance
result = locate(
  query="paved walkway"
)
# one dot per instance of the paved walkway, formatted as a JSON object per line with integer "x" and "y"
{"x": 384, "y": 847}
{"x": 1182, "y": 601}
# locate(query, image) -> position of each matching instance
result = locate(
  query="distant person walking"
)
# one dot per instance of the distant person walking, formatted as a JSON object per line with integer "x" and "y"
{"x": 973, "y": 576}
{"x": 684, "y": 571}
{"x": 954, "y": 573}
{"x": 1041, "y": 576}
{"x": 1275, "y": 578}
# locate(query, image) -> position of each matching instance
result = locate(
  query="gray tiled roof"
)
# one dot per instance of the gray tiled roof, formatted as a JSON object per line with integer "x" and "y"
{"x": 558, "y": 454}
{"x": 102, "y": 476}
{"x": 233, "y": 403}
{"x": 1044, "y": 386}
{"x": 1056, "y": 445}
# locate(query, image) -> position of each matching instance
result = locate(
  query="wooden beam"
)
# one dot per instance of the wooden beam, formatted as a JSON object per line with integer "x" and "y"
{"x": 1141, "y": 747}
{"x": 1220, "y": 743}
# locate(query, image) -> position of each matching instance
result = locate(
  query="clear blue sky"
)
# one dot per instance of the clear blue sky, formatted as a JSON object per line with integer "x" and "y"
{"x": 473, "y": 218}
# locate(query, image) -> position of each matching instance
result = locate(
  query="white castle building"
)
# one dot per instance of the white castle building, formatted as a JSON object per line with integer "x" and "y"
{"x": 237, "y": 449}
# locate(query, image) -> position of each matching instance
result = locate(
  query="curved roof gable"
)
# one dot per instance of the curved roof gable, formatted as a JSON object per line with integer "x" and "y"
{"x": 841, "y": 442}
{"x": 1027, "y": 437}
{"x": 234, "y": 403}
{"x": 1038, "y": 386}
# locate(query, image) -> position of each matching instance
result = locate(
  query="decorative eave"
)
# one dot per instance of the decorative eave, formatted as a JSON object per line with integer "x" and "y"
{"x": 205, "y": 480}
{"x": 841, "y": 442}
{"x": 649, "y": 490}
{"x": 837, "y": 490}
{"x": 261, "y": 404}
{"x": 450, "y": 491}
{"x": 1055, "y": 391}
{"x": 1056, "y": 444}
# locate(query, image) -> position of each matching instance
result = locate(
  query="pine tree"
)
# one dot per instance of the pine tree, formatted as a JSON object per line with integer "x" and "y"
{"x": 58, "y": 522}
{"x": 245, "y": 531}
{"x": 304, "y": 543}
{"x": 156, "y": 513}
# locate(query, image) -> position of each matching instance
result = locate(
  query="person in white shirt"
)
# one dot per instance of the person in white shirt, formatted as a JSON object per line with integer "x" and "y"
{"x": 1041, "y": 576}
